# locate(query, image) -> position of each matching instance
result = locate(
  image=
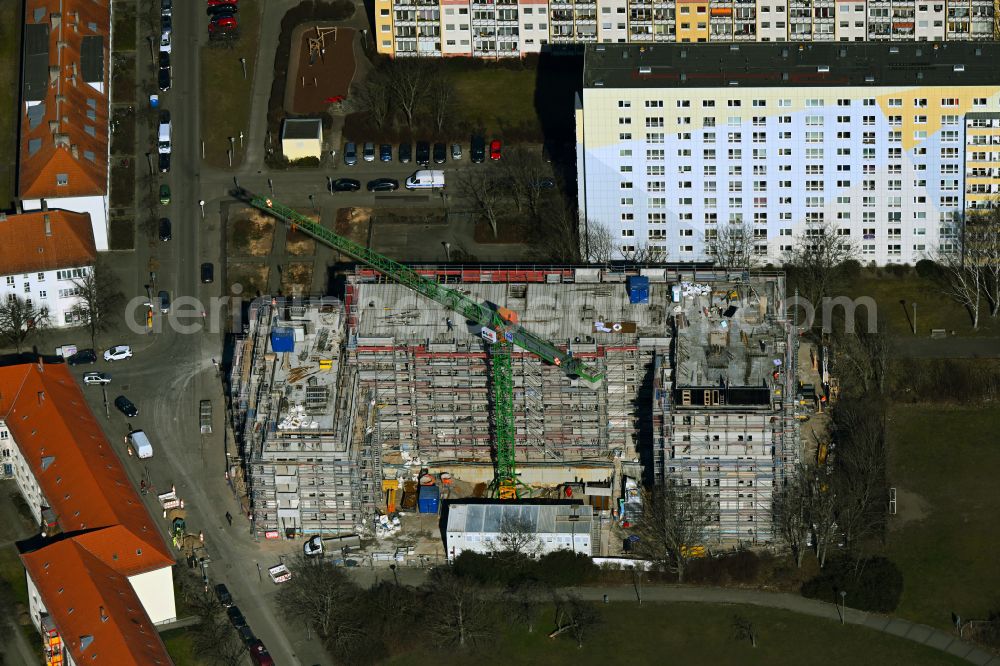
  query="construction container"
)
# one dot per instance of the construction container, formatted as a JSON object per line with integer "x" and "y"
{"x": 282, "y": 339}
{"x": 638, "y": 289}
{"x": 428, "y": 499}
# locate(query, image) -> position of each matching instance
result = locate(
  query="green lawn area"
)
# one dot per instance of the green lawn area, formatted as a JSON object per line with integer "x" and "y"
{"x": 180, "y": 647}
{"x": 476, "y": 97}
{"x": 697, "y": 634}
{"x": 225, "y": 94}
{"x": 946, "y": 534}
{"x": 10, "y": 66}
{"x": 933, "y": 309}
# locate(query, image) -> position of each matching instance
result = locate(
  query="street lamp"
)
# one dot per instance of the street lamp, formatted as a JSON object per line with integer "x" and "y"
{"x": 241, "y": 139}
{"x": 843, "y": 605}
{"x": 312, "y": 203}
{"x": 243, "y": 63}
{"x": 447, "y": 250}
{"x": 394, "y": 574}
{"x": 201, "y": 203}
{"x": 149, "y": 161}
{"x": 270, "y": 186}
{"x": 329, "y": 184}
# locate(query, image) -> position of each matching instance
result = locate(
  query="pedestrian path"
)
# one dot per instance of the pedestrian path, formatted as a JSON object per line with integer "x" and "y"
{"x": 918, "y": 633}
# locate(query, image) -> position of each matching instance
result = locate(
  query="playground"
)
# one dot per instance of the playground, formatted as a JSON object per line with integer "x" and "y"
{"x": 320, "y": 69}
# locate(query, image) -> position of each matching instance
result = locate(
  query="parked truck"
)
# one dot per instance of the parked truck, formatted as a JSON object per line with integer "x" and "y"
{"x": 425, "y": 179}
{"x": 141, "y": 444}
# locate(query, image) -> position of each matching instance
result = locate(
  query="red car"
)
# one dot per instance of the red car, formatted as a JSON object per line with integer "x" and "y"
{"x": 216, "y": 3}
{"x": 495, "y": 149}
{"x": 222, "y": 25}
{"x": 259, "y": 654}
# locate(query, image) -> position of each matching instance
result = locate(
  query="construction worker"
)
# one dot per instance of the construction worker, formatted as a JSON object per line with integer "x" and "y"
{"x": 450, "y": 324}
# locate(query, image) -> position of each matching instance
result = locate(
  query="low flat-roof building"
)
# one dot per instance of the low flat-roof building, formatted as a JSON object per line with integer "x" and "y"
{"x": 482, "y": 526}
{"x": 302, "y": 138}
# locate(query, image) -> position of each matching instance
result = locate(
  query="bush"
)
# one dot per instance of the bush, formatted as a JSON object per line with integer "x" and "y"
{"x": 928, "y": 269}
{"x": 564, "y": 568}
{"x": 898, "y": 270}
{"x": 851, "y": 269}
{"x": 740, "y": 567}
{"x": 872, "y": 584}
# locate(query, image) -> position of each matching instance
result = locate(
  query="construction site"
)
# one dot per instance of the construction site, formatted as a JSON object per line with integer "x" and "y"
{"x": 340, "y": 406}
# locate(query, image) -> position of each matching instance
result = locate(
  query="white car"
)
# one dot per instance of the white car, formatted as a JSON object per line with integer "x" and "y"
{"x": 456, "y": 151}
{"x": 165, "y": 41}
{"x": 91, "y": 378}
{"x": 118, "y": 353}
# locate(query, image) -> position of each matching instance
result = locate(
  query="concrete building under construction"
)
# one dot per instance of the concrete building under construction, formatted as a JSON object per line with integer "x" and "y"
{"x": 698, "y": 371}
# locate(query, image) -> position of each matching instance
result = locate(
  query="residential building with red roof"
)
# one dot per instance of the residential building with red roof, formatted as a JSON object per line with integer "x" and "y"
{"x": 43, "y": 254}
{"x": 65, "y": 147}
{"x": 102, "y": 577}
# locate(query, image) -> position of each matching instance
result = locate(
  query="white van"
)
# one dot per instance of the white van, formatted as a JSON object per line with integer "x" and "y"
{"x": 141, "y": 445}
{"x": 425, "y": 179}
{"x": 164, "y": 132}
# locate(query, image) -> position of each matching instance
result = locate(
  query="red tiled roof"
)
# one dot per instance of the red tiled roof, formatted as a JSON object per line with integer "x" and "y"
{"x": 77, "y": 470}
{"x": 94, "y": 607}
{"x": 27, "y": 247}
{"x": 60, "y": 144}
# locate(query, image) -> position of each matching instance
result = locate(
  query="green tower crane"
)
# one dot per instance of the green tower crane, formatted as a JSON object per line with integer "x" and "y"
{"x": 499, "y": 326}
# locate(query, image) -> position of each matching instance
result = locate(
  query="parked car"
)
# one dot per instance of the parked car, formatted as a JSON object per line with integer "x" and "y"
{"x": 259, "y": 654}
{"x": 440, "y": 152}
{"x": 222, "y": 594}
{"x": 164, "y": 299}
{"x": 213, "y": 3}
{"x": 385, "y": 152}
{"x": 222, "y": 9}
{"x": 346, "y": 185}
{"x": 126, "y": 407}
{"x": 88, "y": 356}
{"x": 423, "y": 153}
{"x": 166, "y": 32}
{"x": 118, "y": 353}
{"x": 495, "y": 147}
{"x": 165, "y": 229}
{"x": 383, "y": 185}
{"x": 246, "y": 635}
{"x": 456, "y": 151}
{"x": 96, "y": 378}
{"x": 163, "y": 162}
{"x": 165, "y": 42}
{"x": 165, "y": 194}
{"x": 164, "y": 73}
{"x": 477, "y": 149}
{"x": 220, "y": 26}
{"x": 369, "y": 152}
{"x": 166, "y": 7}
{"x": 405, "y": 152}
{"x": 207, "y": 273}
{"x": 236, "y": 617}
{"x": 350, "y": 153}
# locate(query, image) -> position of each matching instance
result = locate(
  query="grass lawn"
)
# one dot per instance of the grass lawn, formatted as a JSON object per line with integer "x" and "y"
{"x": 933, "y": 309}
{"x": 10, "y": 66}
{"x": 698, "y": 634}
{"x": 225, "y": 110}
{"x": 946, "y": 535}
{"x": 124, "y": 27}
{"x": 476, "y": 98}
{"x": 180, "y": 647}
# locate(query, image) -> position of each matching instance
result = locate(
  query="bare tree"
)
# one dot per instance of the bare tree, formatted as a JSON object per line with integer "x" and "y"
{"x": 597, "y": 242}
{"x": 817, "y": 261}
{"x": 860, "y": 468}
{"x": 575, "y": 617}
{"x": 100, "y": 299}
{"x": 517, "y": 536}
{"x": 731, "y": 246}
{"x": 981, "y": 244}
{"x": 745, "y": 629}
{"x": 20, "y": 319}
{"x": 485, "y": 188}
{"x": 442, "y": 94}
{"x": 214, "y": 637}
{"x": 375, "y": 96}
{"x": 319, "y": 597}
{"x": 673, "y": 523}
{"x": 464, "y": 612}
{"x": 558, "y": 229}
{"x": 791, "y": 512}
{"x": 408, "y": 80}
{"x": 526, "y": 177}
{"x": 962, "y": 275}
{"x": 823, "y": 515}
{"x": 525, "y": 598}
{"x": 863, "y": 359}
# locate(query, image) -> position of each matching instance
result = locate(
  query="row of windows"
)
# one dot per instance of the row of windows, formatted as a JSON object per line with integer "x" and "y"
{"x": 947, "y": 102}
{"x": 946, "y": 184}
{"x": 947, "y": 201}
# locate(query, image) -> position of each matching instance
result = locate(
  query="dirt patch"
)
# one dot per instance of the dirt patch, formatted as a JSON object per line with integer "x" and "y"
{"x": 319, "y": 78}
{"x": 123, "y": 70}
{"x": 354, "y": 223}
{"x": 411, "y": 216}
{"x": 253, "y": 277}
{"x": 299, "y": 244}
{"x": 121, "y": 235}
{"x": 122, "y": 183}
{"x": 507, "y": 233}
{"x": 296, "y": 279}
{"x": 123, "y": 131}
{"x": 910, "y": 508}
{"x": 249, "y": 233}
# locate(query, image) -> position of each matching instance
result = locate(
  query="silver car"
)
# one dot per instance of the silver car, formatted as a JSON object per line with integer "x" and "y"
{"x": 91, "y": 378}
{"x": 369, "y": 152}
{"x": 350, "y": 153}
{"x": 456, "y": 151}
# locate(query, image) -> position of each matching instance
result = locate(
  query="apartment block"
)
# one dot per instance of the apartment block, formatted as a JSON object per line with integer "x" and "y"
{"x": 311, "y": 463}
{"x": 723, "y": 402}
{"x": 511, "y": 28}
{"x": 45, "y": 254}
{"x": 888, "y": 143}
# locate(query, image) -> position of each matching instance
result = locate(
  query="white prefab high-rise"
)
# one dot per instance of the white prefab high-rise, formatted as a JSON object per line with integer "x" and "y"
{"x": 890, "y": 144}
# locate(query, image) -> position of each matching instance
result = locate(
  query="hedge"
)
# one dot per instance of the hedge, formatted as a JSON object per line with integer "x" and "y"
{"x": 872, "y": 584}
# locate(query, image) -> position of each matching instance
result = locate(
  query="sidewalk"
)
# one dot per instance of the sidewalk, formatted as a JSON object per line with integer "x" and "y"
{"x": 918, "y": 633}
